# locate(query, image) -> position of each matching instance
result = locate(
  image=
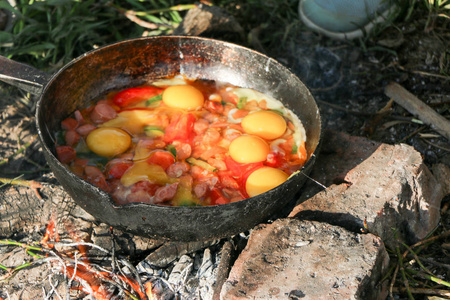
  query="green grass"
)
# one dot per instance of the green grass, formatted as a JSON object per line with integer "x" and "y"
{"x": 48, "y": 34}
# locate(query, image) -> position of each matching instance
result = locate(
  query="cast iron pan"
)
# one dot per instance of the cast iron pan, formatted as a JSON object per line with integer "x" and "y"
{"x": 134, "y": 62}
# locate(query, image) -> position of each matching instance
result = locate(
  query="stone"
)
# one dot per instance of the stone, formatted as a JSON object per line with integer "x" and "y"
{"x": 296, "y": 259}
{"x": 383, "y": 189}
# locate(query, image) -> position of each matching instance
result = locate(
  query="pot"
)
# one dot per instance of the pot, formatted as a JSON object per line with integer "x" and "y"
{"x": 135, "y": 62}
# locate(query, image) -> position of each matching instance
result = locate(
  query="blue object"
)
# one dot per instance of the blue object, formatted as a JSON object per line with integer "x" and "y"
{"x": 345, "y": 19}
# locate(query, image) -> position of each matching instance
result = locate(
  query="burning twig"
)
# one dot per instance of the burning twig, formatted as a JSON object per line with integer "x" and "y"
{"x": 93, "y": 279}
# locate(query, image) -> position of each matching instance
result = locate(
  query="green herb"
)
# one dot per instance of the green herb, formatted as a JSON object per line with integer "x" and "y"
{"x": 294, "y": 149}
{"x": 241, "y": 103}
{"x": 172, "y": 150}
{"x": 153, "y": 100}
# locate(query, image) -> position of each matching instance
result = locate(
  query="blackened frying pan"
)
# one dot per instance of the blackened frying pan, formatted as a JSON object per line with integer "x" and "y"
{"x": 134, "y": 62}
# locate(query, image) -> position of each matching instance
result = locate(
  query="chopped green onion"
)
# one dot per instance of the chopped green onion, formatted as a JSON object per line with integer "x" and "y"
{"x": 294, "y": 149}
{"x": 241, "y": 103}
{"x": 172, "y": 150}
{"x": 153, "y": 131}
{"x": 153, "y": 99}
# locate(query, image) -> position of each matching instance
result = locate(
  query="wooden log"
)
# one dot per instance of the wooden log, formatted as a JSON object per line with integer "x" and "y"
{"x": 418, "y": 108}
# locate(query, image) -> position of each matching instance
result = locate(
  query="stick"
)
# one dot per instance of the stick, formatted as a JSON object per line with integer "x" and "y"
{"x": 418, "y": 108}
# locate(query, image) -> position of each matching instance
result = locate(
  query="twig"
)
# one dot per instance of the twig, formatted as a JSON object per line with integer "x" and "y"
{"x": 418, "y": 108}
{"x": 424, "y": 291}
{"x": 432, "y": 239}
{"x": 394, "y": 276}
{"x": 423, "y": 73}
{"x": 402, "y": 271}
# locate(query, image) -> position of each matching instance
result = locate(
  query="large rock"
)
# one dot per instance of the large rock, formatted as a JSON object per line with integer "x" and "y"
{"x": 294, "y": 259}
{"x": 384, "y": 189}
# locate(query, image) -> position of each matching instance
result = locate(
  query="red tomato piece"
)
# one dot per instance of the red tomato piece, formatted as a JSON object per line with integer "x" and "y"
{"x": 65, "y": 154}
{"x": 214, "y": 106}
{"x": 241, "y": 170}
{"x": 162, "y": 158}
{"x": 134, "y": 95}
{"x": 217, "y": 197}
{"x": 118, "y": 169}
{"x": 180, "y": 128}
{"x": 274, "y": 160}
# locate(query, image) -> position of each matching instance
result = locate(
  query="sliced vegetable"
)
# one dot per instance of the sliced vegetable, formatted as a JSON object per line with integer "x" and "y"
{"x": 161, "y": 158}
{"x": 242, "y": 102}
{"x": 153, "y": 131}
{"x": 142, "y": 170}
{"x": 172, "y": 150}
{"x": 118, "y": 169}
{"x": 200, "y": 163}
{"x": 151, "y": 102}
{"x": 134, "y": 95}
{"x": 217, "y": 197}
{"x": 180, "y": 128}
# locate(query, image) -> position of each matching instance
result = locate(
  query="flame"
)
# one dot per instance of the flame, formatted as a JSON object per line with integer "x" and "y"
{"x": 50, "y": 233}
{"x": 84, "y": 272}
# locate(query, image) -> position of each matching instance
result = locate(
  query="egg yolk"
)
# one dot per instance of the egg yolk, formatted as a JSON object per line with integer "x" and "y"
{"x": 266, "y": 124}
{"x": 248, "y": 149}
{"x": 183, "y": 96}
{"x": 264, "y": 179}
{"x": 108, "y": 141}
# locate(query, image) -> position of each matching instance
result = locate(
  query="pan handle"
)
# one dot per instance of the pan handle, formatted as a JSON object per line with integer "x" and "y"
{"x": 23, "y": 76}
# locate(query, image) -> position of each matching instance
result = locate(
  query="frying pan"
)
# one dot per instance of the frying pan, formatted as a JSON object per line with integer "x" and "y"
{"x": 135, "y": 62}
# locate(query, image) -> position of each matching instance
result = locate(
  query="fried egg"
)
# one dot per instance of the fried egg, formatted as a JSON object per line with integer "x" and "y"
{"x": 264, "y": 179}
{"x": 265, "y": 124}
{"x": 183, "y": 96}
{"x": 108, "y": 141}
{"x": 248, "y": 149}
{"x": 299, "y": 134}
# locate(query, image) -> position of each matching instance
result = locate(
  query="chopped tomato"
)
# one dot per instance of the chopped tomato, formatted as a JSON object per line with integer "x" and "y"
{"x": 241, "y": 170}
{"x": 217, "y": 197}
{"x": 180, "y": 128}
{"x": 118, "y": 169}
{"x": 240, "y": 113}
{"x": 134, "y": 95}
{"x": 274, "y": 160}
{"x": 214, "y": 106}
{"x": 162, "y": 158}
